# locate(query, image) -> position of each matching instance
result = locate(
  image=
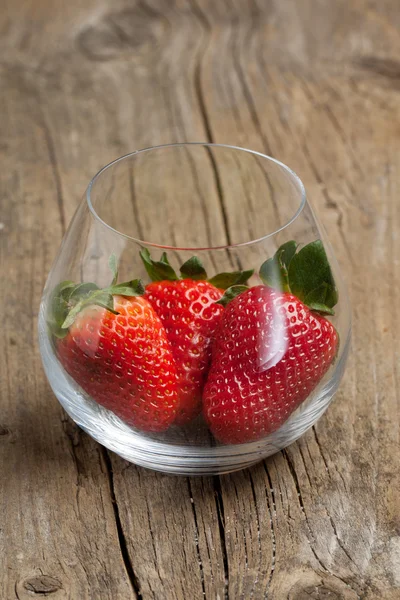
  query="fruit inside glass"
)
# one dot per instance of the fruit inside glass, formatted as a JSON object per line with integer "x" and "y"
{"x": 195, "y": 320}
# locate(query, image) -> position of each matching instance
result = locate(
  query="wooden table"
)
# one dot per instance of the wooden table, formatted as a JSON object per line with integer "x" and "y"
{"x": 315, "y": 84}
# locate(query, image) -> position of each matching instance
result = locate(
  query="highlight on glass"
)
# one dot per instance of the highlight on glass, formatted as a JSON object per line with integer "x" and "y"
{"x": 195, "y": 319}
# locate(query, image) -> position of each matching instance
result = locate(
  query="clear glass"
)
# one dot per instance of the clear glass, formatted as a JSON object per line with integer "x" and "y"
{"x": 174, "y": 381}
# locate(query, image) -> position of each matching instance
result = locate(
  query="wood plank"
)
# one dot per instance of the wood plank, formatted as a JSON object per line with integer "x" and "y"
{"x": 317, "y": 87}
{"x": 57, "y": 524}
{"x": 287, "y": 112}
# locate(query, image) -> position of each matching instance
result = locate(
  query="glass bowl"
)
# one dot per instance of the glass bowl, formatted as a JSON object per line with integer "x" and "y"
{"x": 219, "y": 340}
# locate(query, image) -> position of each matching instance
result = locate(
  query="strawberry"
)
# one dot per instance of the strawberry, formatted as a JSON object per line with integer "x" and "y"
{"x": 190, "y": 314}
{"x": 272, "y": 347}
{"x": 114, "y": 346}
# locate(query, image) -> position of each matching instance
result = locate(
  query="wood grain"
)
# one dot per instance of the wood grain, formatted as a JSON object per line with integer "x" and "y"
{"x": 313, "y": 84}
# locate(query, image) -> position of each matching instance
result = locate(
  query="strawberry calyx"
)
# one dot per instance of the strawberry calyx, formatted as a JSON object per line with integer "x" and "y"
{"x": 192, "y": 269}
{"x": 68, "y": 299}
{"x": 305, "y": 274}
{"x": 231, "y": 293}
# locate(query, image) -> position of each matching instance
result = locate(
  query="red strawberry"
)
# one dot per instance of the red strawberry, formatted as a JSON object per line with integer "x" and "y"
{"x": 271, "y": 350}
{"x": 115, "y": 347}
{"x": 190, "y": 315}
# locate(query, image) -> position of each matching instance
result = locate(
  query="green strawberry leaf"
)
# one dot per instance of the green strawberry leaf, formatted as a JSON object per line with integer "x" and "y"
{"x": 105, "y": 305}
{"x": 274, "y": 271}
{"x": 60, "y": 293}
{"x": 310, "y": 276}
{"x": 231, "y": 293}
{"x": 223, "y": 281}
{"x": 58, "y": 309}
{"x": 193, "y": 269}
{"x": 73, "y": 313}
{"x": 129, "y": 288}
{"x": 102, "y": 298}
{"x": 68, "y": 299}
{"x": 286, "y": 252}
{"x": 321, "y": 308}
{"x": 112, "y": 263}
{"x": 306, "y": 274}
{"x": 164, "y": 259}
{"x": 322, "y": 299}
{"x": 82, "y": 289}
{"x": 58, "y": 332}
{"x": 159, "y": 270}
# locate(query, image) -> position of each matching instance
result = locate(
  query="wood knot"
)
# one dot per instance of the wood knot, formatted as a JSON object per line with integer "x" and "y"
{"x": 7, "y": 434}
{"x": 44, "y": 584}
{"x": 387, "y": 68}
{"x": 319, "y": 592}
{"x": 4, "y": 430}
{"x": 121, "y": 33}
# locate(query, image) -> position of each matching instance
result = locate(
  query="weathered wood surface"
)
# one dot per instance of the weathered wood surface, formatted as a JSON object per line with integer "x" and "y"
{"x": 315, "y": 84}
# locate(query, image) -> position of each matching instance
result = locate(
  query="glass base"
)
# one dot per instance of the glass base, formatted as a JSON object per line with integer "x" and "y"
{"x": 181, "y": 451}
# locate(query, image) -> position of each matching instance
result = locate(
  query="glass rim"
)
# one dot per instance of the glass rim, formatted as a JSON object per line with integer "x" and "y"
{"x": 287, "y": 169}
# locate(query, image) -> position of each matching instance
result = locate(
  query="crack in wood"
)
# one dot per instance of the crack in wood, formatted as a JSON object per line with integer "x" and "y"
{"x": 203, "y": 587}
{"x": 54, "y": 165}
{"x": 272, "y": 513}
{"x": 220, "y": 193}
{"x": 243, "y": 531}
{"x": 73, "y": 434}
{"x": 340, "y": 543}
{"x": 294, "y": 477}
{"x": 260, "y": 164}
{"x": 313, "y": 541}
{"x": 120, "y": 532}
{"x": 321, "y": 453}
{"x": 301, "y": 503}
{"x": 305, "y": 466}
{"x": 206, "y": 121}
{"x": 153, "y": 542}
{"x": 202, "y": 199}
{"x": 253, "y": 492}
{"x": 135, "y": 209}
{"x": 219, "y": 503}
